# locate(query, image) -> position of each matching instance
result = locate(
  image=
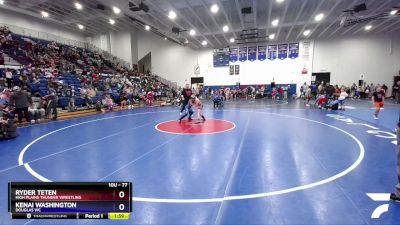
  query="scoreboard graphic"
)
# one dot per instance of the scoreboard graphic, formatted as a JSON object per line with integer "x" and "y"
{"x": 70, "y": 200}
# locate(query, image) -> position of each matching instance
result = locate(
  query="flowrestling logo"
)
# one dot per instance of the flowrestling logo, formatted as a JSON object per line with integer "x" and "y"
{"x": 379, "y": 197}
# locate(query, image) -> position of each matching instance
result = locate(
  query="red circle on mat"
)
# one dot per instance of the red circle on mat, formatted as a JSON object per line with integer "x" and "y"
{"x": 194, "y": 127}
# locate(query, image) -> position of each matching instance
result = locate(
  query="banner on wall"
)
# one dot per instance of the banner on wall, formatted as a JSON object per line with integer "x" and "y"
{"x": 233, "y": 57}
{"x": 252, "y": 54}
{"x": 294, "y": 50}
{"x": 282, "y": 51}
{"x": 272, "y": 49}
{"x": 237, "y": 69}
{"x": 262, "y": 53}
{"x": 231, "y": 70}
{"x": 243, "y": 54}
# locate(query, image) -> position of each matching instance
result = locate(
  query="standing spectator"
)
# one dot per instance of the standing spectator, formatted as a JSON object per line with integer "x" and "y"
{"x": 384, "y": 88}
{"x": 9, "y": 78}
{"x": 70, "y": 93}
{"x": 321, "y": 88}
{"x": 372, "y": 90}
{"x": 303, "y": 90}
{"x": 343, "y": 95}
{"x": 21, "y": 100}
{"x": 308, "y": 95}
{"x": 396, "y": 91}
{"x": 52, "y": 100}
{"x": 330, "y": 90}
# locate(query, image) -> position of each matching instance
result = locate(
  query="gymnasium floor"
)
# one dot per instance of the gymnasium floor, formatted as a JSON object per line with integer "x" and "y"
{"x": 273, "y": 164}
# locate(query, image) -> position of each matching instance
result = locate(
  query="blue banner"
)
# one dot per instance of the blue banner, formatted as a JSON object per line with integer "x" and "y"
{"x": 252, "y": 54}
{"x": 293, "y": 50}
{"x": 243, "y": 54}
{"x": 282, "y": 51}
{"x": 272, "y": 52}
{"x": 233, "y": 55}
{"x": 262, "y": 53}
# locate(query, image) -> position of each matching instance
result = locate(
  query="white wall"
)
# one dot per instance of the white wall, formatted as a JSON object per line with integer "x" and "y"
{"x": 169, "y": 60}
{"x": 176, "y": 63}
{"x": 102, "y": 41}
{"x": 377, "y": 57}
{"x": 121, "y": 45}
{"x": 35, "y": 25}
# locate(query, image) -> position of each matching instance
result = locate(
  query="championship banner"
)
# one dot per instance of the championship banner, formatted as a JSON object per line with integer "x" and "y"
{"x": 252, "y": 54}
{"x": 233, "y": 57}
{"x": 272, "y": 51}
{"x": 243, "y": 54}
{"x": 237, "y": 70}
{"x": 294, "y": 50}
{"x": 282, "y": 51}
{"x": 262, "y": 53}
{"x": 231, "y": 70}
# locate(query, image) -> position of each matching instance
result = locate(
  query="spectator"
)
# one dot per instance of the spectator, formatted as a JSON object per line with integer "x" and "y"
{"x": 9, "y": 78}
{"x": 70, "y": 94}
{"x": 21, "y": 100}
{"x": 36, "y": 110}
{"x": 8, "y": 129}
{"x": 51, "y": 107}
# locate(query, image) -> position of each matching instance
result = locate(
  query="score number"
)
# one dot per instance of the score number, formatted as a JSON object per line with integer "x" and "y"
{"x": 121, "y": 194}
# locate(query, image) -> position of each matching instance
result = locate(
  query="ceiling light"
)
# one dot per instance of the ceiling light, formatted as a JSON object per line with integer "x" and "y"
{"x": 319, "y": 17}
{"x": 271, "y": 36}
{"x": 81, "y": 26}
{"x": 225, "y": 28}
{"x": 116, "y": 10}
{"x": 1, "y": 2}
{"x": 393, "y": 12}
{"x": 280, "y": 1}
{"x": 112, "y": 22}
{"x": 192, "y": 32}
{"x": 214, "y": 8}
{"x": 44, "y": 14}
{"x": 171, "y": 15}
{"x": 165, "y": 38}
{"x": 275, "y": 22}
{"x": 368, "y": 27}
{"x": 204, "y": 43}
{"x": 147, "y": 27}
{"x": 306, "y": 33}
{"x": 78, "y": 5}
{"x": 232, "y": 40}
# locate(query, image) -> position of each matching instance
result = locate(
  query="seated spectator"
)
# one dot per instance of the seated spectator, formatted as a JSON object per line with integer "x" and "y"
{"x": 8, "y": 128}
{"x": 108, "y": 102}
{"x": 36, "y": 110}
